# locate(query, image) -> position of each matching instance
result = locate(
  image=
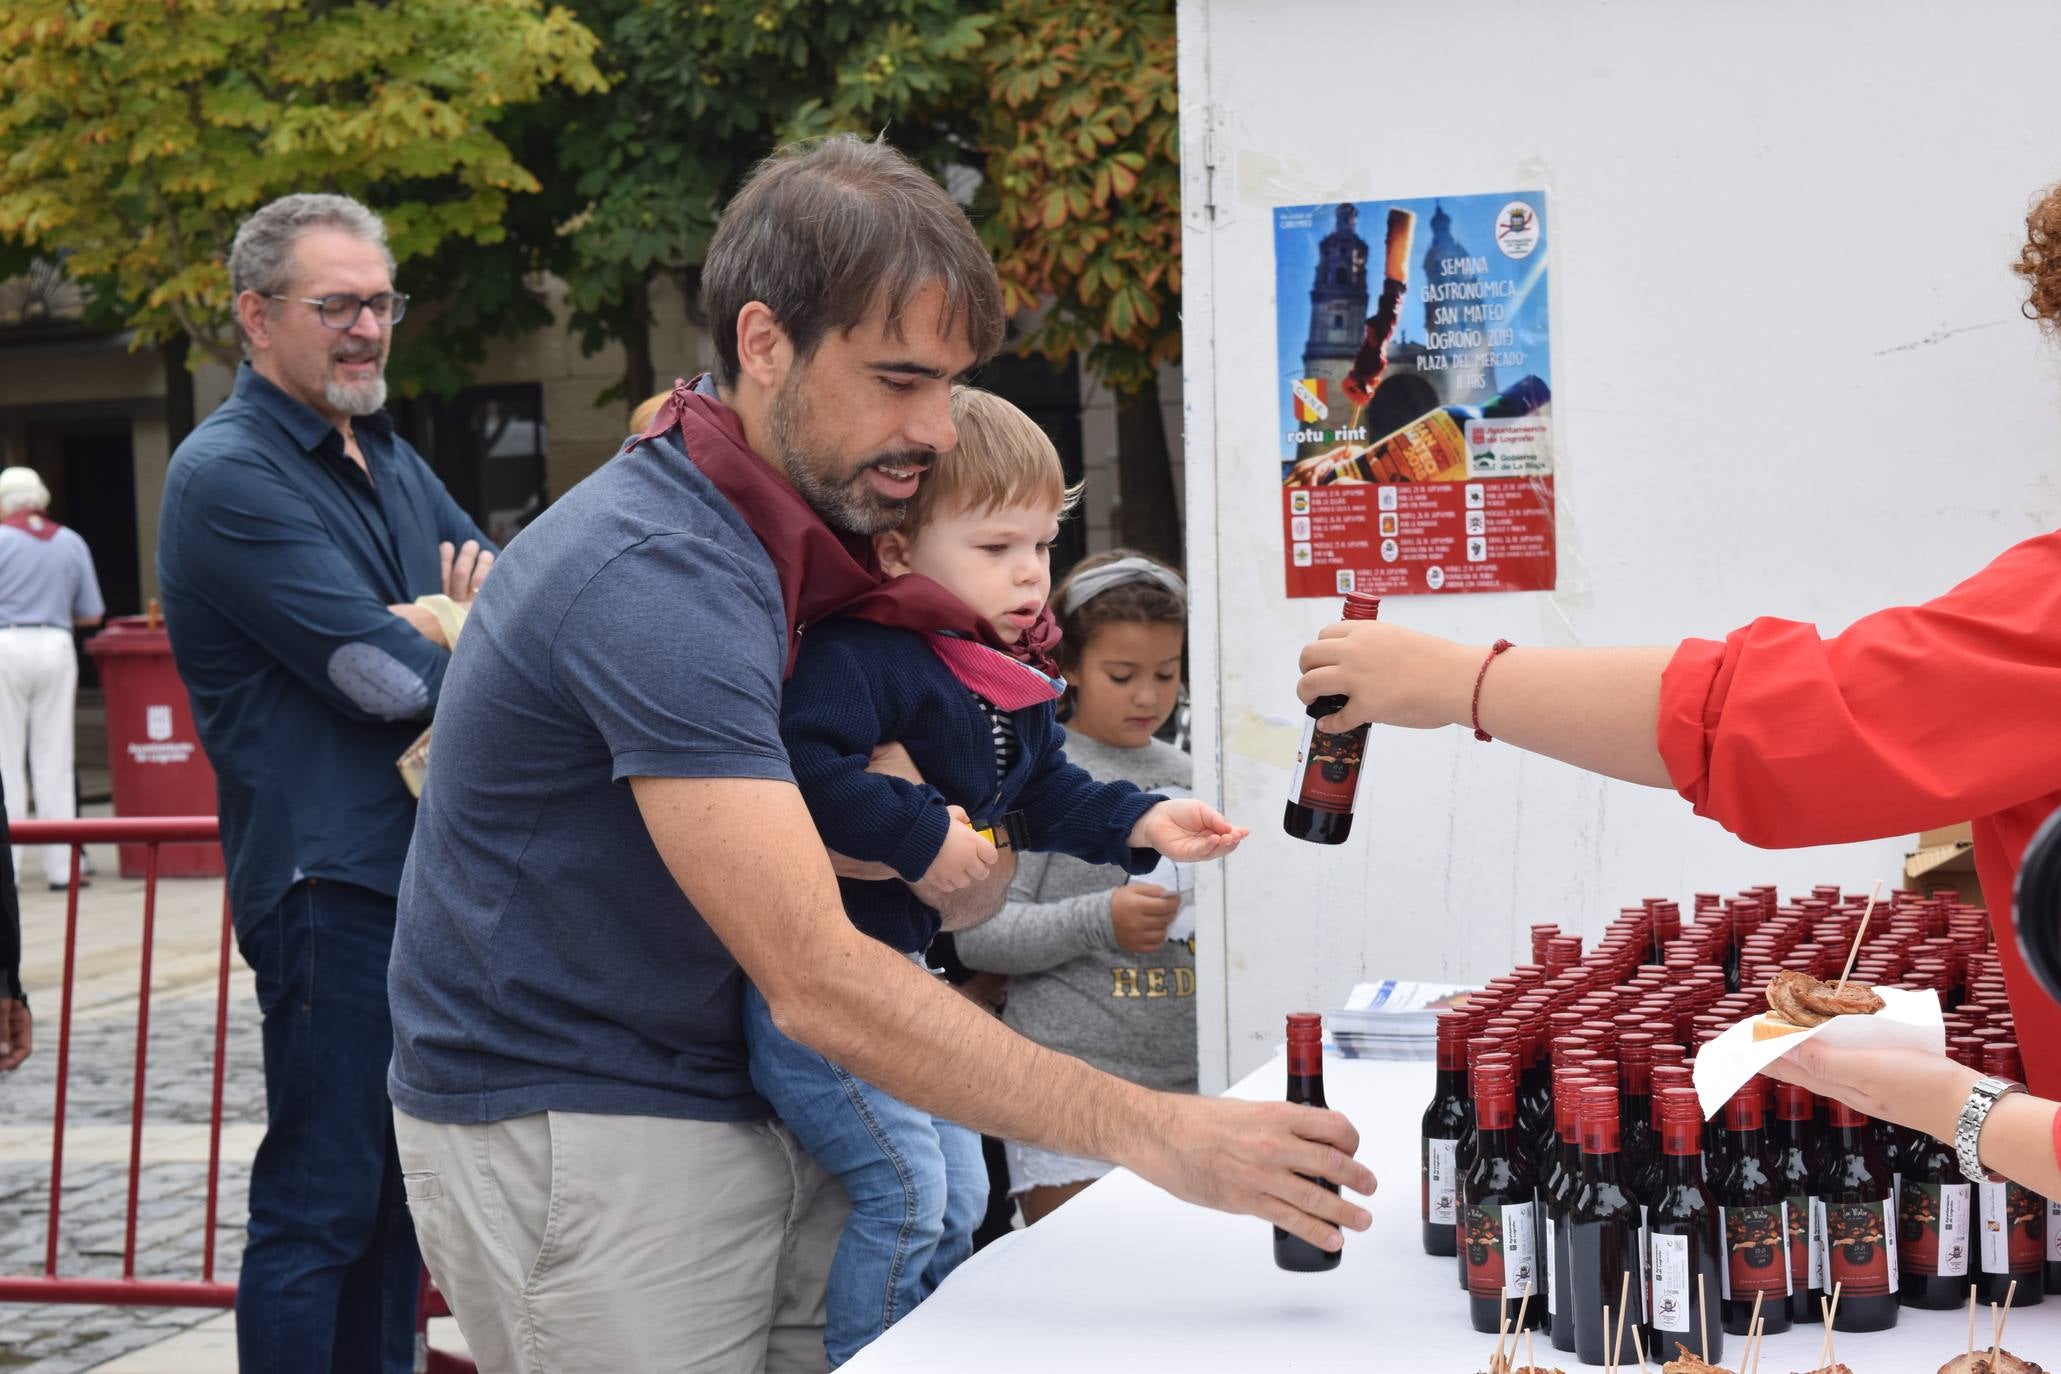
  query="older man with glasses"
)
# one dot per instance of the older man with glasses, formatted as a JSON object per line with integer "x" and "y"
{"x": 297, "y": 532}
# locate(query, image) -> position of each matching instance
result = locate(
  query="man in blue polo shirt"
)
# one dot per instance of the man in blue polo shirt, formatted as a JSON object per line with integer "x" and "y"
{"x": 610, "y": 842}
{"x": 297, "y": 531}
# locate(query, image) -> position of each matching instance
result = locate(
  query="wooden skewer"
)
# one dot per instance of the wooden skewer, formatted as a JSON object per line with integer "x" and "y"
{"x": 1502, "y": 1330}
{"x": 2003, "y": 1321}
{"x": 1522, "y": 1304}
{"x": 1825, "y": 1341}
{"x": 1606, "y": 1349}
{"x": 1751, "y": 1322}
{"x": 1858, "y": 936}
{"x": 1531, "y": 1361}
{"x": 1831, "y": 1316}
{"x": 1639, "y": 1348}
{"x": 1624, "y": 1294}
{"x": 1971, "y": 1321}
{"x": 1703, "y": 1316}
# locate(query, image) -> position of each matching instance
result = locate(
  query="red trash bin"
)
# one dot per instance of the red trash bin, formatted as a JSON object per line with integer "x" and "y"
{"x": 153, "y": 751}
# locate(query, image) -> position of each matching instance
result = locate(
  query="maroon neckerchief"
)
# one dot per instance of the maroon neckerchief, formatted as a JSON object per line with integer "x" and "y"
{"x": 34, "y": 523}
{"x": 823, "y": 572}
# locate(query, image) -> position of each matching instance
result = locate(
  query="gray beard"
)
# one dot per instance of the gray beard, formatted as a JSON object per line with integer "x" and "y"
{"x": 356, "y": 398}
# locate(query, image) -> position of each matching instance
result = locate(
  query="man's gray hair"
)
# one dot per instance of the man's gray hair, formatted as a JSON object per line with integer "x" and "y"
{"x": 261, "y": 258}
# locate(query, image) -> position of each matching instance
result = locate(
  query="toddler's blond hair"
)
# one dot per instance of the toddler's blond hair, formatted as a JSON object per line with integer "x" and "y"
{"x": 1002, "y": 459}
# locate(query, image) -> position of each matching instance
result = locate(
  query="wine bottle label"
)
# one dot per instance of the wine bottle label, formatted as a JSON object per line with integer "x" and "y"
{"x": 1935, "y": 1234}
{"x": 1327, "y": 769}
{"x": 2053, "y": 1232}
{"x": 1552, "y": 1269}
{"x": 1799, "y": 1242}
{"x": 1440, "y": 1177}
{"x": 1756, "y": 1250}
{"x": 2014, "y": 1224}
{"x": 1860, "y": 1247}
{"x": 1820, "y": 1260}
{"x": 1674, "y": 1298}
{"x": 1499, "y": 1241}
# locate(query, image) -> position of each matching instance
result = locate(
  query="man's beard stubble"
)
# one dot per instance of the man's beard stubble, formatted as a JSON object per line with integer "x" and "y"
{"x": 846, "y": 502}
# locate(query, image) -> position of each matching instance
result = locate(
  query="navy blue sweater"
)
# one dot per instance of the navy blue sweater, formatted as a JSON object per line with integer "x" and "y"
{"x": 857, "y": 685}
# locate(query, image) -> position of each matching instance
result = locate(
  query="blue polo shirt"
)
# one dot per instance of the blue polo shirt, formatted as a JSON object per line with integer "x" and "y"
{"x": 545, "y": 959}
{"x": 276, "y": 561}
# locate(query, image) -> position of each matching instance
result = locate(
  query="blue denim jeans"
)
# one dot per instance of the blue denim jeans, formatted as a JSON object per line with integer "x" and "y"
{"x": 330, "y": 1269}
{"x": 917, "y": 1183}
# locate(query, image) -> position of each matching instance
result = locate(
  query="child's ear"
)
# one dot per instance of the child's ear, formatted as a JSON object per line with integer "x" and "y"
{"x": 891, "y": 547}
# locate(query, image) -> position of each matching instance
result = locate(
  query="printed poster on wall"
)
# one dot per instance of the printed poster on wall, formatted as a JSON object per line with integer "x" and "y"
{"x": 1416, "y": 395}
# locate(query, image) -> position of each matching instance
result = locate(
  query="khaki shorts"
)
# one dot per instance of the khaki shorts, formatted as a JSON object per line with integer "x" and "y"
{"x": 566, "y": 1241}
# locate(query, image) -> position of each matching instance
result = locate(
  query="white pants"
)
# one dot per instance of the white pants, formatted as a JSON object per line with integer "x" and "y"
{"x": 39, "y": 688}
{"x": 565, "y": 1241}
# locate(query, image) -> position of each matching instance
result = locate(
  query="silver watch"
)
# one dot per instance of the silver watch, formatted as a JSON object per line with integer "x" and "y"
{"x": 1968, "y": 1130}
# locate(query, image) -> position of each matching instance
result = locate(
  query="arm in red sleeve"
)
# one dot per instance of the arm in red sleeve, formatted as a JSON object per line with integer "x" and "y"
{"x": 1915, "y": 717}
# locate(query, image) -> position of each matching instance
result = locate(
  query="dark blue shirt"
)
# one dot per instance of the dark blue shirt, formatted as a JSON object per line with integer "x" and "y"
{"x": 858, "y": 685}
{"x": 545, "y": 959}
{"x": 276, "y": 561}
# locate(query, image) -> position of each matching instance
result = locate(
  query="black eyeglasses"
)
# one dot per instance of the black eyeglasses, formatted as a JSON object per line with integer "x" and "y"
{"x": 340, "y": 310}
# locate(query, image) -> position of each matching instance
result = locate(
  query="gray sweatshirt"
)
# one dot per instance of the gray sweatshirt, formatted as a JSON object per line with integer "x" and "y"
{"x": 1071, "y": 988}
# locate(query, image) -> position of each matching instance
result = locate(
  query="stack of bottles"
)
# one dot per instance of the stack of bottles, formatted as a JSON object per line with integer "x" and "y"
{"x": 1564, "y": 1150}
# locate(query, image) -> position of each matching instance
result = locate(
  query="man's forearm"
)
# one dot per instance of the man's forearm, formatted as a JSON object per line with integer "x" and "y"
{"x": 887, "y": 1021}
{"x": 970, "y": 906}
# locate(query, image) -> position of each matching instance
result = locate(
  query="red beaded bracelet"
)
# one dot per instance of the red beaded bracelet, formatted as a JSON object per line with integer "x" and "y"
{"x": 1484, "y": 736}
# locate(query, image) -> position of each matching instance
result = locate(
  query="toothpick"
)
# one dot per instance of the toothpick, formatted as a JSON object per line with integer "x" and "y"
{"x": 1502, "y": 1330}
{"x": 2004, "y": 1321}
{"x": 1971, "y": 1321}
{"x": 1703, "y": 1316}
{"x": 1825, "y": 1342}
{"x": 1607, "y": 1367}
{"x": 1522, "y": 1304}
{"x": 1858, "y": 936}
{"x": 1831, "y": 1316}
{"x": 1751, "y": 1322}
{"x": 1994, "y": 1335}
{"x": 1639, "y": 1347}
{"x": 1531, "y": 1361}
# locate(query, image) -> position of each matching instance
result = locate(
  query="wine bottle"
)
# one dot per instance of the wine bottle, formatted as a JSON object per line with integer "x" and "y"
{"x": 1641, "y": 1163}
{"x": 1498, "y": 1224}
{"x": 1326, "y": 780}
{"x": 1436, "y": 442}
{"x": 1556, "y": 1199}
{"x": 1684, "y": 1254}
{"x": 1306, "y": 1086}
{"x": 2012, "y": 1220}
{"x": 1790, "y": 1145}
{"x": 1444, "y": 1119}
{"x": 1602, "y": 1232}
{"x": 1936, "y": 1235}
{"x": 1853, "y": 1212}
{"x": 1754, "y": 1211}
{"x": 1535, "y": 1098}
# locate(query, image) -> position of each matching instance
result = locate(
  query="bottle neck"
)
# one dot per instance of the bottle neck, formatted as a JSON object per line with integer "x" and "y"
{"x": 1495, "y": 1114}
{"x": 1306, "y": 1058}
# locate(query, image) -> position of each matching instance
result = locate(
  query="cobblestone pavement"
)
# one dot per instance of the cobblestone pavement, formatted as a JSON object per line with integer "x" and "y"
{"x": 172, "y": 1199}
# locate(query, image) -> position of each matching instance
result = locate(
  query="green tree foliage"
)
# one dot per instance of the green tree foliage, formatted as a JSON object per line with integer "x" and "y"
{"x": 699, "y": 91}
{"x": 1082, "y": 142}
{"x": 136, "y": 134}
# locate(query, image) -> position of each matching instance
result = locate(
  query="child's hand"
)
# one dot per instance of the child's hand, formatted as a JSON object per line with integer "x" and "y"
{"x": 1186, "y": 830}
{"x": 964, "y": 860}
{"x": 1139, "y": 914}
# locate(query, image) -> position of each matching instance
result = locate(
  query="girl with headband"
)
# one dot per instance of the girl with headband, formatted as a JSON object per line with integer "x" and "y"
{"x": 1092, "y": 972}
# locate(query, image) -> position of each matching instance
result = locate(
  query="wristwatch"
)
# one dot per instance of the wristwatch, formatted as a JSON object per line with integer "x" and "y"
{"x": 1968, "y": 1130}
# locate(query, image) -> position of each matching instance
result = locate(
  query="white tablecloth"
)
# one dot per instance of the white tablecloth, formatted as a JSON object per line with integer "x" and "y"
{"x": 1124, "y": 1278}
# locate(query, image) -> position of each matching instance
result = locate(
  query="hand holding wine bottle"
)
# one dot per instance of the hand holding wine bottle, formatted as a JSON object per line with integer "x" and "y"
{"x": 1257, "y": 1158}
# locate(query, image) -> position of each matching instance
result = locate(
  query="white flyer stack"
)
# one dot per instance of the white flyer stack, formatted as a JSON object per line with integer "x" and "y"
{"x": 1391, "y": 1019}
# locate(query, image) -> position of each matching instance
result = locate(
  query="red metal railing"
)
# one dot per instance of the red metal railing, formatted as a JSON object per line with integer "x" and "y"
{"x": 130, "y": 1291}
